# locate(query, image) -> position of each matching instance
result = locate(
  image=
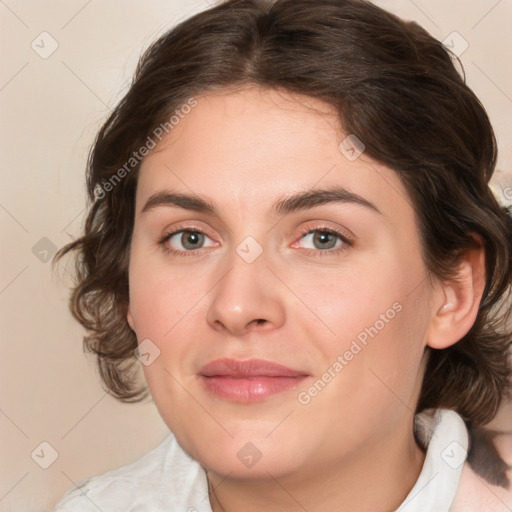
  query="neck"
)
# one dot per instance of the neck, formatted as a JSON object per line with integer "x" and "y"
{"x": 376, "y": 478}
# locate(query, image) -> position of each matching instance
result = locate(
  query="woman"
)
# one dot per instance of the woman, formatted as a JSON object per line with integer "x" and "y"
{"x": 291, "y": 229}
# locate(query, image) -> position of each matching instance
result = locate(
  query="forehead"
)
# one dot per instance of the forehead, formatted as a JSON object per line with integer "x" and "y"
{"x": 251, "y": 147}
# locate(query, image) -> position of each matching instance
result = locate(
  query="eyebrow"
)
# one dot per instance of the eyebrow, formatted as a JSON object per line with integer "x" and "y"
{"x": 297, "y": 202}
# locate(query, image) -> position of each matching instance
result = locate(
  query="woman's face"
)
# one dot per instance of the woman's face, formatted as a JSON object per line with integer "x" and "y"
{"x": 266, "y": 264}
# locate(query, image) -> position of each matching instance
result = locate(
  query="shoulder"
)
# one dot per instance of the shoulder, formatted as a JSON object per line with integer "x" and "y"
{"x": 162, "y": 476}
{"x": 477, "y": 493}
{"x": 474, "y": 493}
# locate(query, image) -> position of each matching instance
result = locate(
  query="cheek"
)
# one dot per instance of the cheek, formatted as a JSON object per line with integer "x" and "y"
{"x": 161, "y": 299}
{"x": 374, "y": 316}
{"x": 389, "y": 350}
{"x": 344, "y": 301}
{"x": 162, "y": 306}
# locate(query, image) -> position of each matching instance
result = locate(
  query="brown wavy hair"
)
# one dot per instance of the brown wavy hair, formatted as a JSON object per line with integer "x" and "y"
{"x": 394, "y": 86}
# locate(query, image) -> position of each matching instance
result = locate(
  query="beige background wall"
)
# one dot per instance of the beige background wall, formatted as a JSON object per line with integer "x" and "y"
{"x": 50, "y": 110}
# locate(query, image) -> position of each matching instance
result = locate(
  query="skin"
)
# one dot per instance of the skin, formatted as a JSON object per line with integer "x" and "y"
{"x": 242, "y": 151}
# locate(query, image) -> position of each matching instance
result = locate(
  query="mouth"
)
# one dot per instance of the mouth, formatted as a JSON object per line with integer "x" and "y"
{"x": 248, "y": 381}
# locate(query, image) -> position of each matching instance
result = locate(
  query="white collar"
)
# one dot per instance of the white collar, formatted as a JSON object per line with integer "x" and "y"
{"x": 446, "y": 435}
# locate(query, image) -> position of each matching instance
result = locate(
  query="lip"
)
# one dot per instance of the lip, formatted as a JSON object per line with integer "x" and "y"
{"x": 247, "y": 381}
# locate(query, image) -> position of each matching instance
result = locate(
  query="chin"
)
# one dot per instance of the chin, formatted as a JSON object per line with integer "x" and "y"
{"x": 245, "y": 455}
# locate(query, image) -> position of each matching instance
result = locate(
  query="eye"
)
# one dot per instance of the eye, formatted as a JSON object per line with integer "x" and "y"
{"x": 323, "y": 241}
{"x": 185, "y": 240}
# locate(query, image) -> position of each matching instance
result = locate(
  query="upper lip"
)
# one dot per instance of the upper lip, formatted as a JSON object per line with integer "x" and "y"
{"x": 247, "y": 368}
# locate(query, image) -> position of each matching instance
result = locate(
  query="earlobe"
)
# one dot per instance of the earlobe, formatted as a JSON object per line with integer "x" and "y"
{"x": 458, "y": 301}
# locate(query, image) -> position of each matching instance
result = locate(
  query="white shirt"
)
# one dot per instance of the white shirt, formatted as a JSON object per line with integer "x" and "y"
{"x": 167, "y": 480}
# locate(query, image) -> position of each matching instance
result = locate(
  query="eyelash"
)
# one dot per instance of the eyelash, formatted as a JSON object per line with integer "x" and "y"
{"x": 347, "y": 242}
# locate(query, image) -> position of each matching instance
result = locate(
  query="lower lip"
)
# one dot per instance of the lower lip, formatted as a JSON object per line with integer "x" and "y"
{"x": 249, "y": 389}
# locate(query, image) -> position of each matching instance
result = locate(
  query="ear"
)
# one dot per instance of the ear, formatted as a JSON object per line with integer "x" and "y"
{"x": 130, "y": 318}
{"x": 456, "y": 302}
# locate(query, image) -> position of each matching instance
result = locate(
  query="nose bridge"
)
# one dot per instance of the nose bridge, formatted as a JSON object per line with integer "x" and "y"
{"x": 247, "y": 295}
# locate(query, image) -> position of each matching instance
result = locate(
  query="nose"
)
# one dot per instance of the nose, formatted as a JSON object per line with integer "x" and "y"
{"x": 247, "y": 298}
